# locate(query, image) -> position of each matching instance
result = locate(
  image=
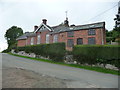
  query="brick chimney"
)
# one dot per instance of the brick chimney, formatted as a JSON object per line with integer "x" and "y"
{"x": 44, "y": 21}
{"x": 35, "y": 27}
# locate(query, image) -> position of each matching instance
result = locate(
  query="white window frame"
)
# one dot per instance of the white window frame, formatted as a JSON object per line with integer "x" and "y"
{"x": 38, "y": 39}
{"x": 32, "y": 41}
{"x": 55, "y": 38}
{"x": 47, "y": 38}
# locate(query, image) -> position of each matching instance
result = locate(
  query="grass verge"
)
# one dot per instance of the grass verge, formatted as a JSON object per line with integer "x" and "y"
{"x": 98, "y": 69}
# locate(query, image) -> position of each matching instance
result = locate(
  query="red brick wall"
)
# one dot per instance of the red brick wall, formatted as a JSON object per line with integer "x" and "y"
{"x": 21, "y": 43}
{"x": 42, "y": 36}
{"x": 29, "y": 40}
{"x": 100, "y": 34}
{"x": 51, "y": 38}
{"x": 62, "y": 37}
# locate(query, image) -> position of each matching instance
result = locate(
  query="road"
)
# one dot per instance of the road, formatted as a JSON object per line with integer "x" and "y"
{"x": 78, "y": 78}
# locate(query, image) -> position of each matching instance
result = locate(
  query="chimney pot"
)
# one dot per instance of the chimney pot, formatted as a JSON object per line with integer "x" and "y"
{"x": 35, "y": 27}
{"x": 44, "y": 21}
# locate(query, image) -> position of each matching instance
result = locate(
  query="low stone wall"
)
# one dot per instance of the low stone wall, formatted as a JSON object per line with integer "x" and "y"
{"x": 24, "y": 54}
{"x": 68, "y": 59}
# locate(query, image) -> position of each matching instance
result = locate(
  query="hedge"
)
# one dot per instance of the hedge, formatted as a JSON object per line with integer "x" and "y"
{"x": 94, "y": 54}
{"x": 55, "y": 51}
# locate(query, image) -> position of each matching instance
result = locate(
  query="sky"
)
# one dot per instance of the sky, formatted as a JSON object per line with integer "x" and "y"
{"x": 27, "y": 13}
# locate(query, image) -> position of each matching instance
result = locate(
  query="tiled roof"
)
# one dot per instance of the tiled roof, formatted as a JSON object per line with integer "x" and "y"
{"x": 25, "y": 35}
{"x": 58, "y": 29}
{"x": 62, "y": 28}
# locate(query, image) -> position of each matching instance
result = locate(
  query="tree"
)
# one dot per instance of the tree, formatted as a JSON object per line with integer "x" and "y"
{"x": 114, "y": 35}
{"x": 109, "y": 36}
{"x": 11, "y": 35}
{"x": 116, "y": 30}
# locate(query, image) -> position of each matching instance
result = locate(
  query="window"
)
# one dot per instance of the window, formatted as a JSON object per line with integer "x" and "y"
{"x": 38, "y": 39}
{"x": 47, "y": 38}
{"x": 55, "y": 39}
{"x": 91, "y": 40}
{"x": 70, "y": 34}
{"x": 91, "y": 32}
{"x": 32, "y": 41}
{"x": 70, "y": 43}
{"x": 79, "y": 41}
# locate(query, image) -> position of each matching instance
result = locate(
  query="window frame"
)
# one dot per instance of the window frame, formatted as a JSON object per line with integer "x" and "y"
{"x": 70, "y": 34}
{"x": 91, "y": 32}
{"x": 80, "y": 42}
{"x": 47, "y": 38}
{"x": 32, "y": 41}
{"x": 69, "y": 44}
{"x": 55, "y": 38}
{"x": 38, "y": 39}
{"x": 91, "y": 43}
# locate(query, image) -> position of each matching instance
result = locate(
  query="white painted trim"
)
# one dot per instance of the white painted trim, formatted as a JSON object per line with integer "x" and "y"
{"x": 32, "y": 41}
{"x": 102, "y": 36}
{"x": 40, "y": 27}
{"x": 55, "y": 38}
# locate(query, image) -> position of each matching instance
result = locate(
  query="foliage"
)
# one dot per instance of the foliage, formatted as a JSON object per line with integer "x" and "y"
{"x": 55, "y": 51}
{"x": 94, "y": 54}
{"x": 112, "y": 35}
{"x": 6, "y": 51}
{"x": 11, "y": 35}
{"x": 98, "y": 69}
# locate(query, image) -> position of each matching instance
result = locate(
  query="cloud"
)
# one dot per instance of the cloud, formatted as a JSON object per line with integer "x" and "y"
{"x": 3, "y": 46}
{"x": 27, "y": 13}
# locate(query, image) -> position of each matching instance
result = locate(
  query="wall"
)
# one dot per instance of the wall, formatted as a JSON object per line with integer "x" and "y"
{"x": 42, "y": 36}
{"x": 62, "y": 37}
{"x": 21, "y": 43}
{"x": 99, "y": 36}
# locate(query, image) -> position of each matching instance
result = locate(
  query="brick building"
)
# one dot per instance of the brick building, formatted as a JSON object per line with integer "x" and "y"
{"x": 71, "y": 35}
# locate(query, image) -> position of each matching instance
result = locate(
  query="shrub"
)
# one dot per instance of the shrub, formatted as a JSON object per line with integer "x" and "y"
{"x": 93, "y": 54}
{"x": 55, "y": 51}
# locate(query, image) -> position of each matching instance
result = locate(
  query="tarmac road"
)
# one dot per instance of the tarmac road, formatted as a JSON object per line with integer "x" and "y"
{"x": 78, "y": 78}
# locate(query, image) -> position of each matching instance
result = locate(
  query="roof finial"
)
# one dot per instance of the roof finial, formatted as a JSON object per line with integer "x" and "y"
{"x": 66, "y": 15}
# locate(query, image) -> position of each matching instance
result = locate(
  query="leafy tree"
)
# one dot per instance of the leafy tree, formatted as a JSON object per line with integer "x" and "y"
{"x": 117, "y": 26}
{"x": 11, "y": 35}
{"x": 114, "y": 35}
{"x": 109, "y": 36}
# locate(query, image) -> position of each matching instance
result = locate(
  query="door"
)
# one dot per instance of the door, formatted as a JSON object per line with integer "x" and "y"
{"x": 79, "y": 41}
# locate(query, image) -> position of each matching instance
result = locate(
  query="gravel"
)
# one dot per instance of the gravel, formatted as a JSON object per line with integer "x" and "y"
{"x": 21, "y": 78}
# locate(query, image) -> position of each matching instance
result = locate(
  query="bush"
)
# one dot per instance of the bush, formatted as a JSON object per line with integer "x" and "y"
{"x": 6, "y": 51}
{"x": 55, "y": 51}
{"x": 93, "y": 54}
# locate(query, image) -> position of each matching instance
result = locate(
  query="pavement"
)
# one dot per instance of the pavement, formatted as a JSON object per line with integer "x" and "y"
{"x": 78, "y": 78}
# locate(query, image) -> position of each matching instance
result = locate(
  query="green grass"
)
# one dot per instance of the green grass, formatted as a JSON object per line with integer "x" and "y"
{"x": 98, "y": 69}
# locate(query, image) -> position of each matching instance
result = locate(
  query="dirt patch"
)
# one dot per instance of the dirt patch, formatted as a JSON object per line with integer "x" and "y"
{"x": 21, "y": 78}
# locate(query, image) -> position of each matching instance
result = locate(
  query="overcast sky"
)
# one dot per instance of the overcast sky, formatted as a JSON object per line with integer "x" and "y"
{"x": 27, "y": 13}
